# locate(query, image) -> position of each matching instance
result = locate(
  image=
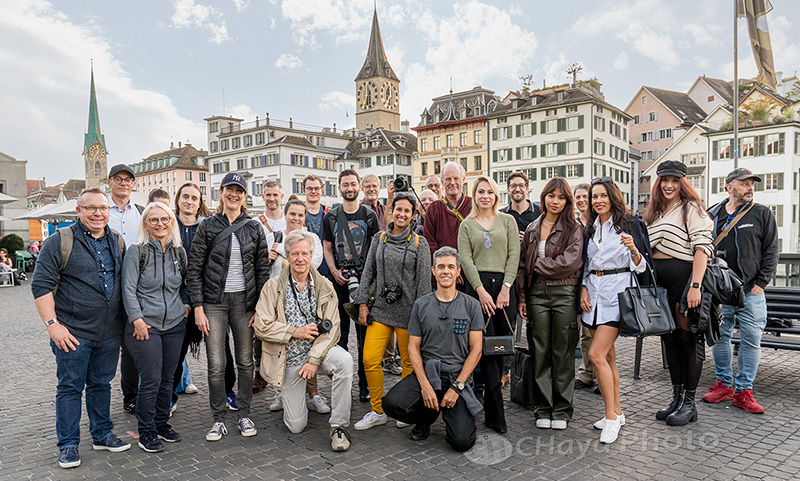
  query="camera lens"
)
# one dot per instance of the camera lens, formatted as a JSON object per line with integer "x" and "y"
{"x": 400, "y": 184}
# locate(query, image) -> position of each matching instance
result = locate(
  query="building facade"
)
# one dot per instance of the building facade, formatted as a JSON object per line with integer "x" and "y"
{"x": 569, "y": 131}
{"x": 171, "y": 169}
{"x": 377, "y": 87}
{"x": 13, "y": 183}
{"x": 386, "y": 153}
{"x": 95, "y": 153}
{"x": 453, "y": 129}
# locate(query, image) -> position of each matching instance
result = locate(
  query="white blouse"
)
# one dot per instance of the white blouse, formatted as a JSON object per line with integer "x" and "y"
{"x": 606, "y": 255}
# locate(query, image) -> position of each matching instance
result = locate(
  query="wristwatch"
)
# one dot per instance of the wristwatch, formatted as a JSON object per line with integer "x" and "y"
{"x": 49, "y": 323}
{"x": 695, "y": 285}
{"x": 459, "y": 386}
{"x": 507, "y": 284}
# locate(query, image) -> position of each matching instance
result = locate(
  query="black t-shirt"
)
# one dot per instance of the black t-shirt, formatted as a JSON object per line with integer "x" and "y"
{"x": 526, "y": 217}
{"x": 363, "y": 225}
{"x": 728, "y": 244}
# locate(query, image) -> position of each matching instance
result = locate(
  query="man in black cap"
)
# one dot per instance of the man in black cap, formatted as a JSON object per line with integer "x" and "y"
{"x": 124, "y": 217}
{"x": 748, "y": 235}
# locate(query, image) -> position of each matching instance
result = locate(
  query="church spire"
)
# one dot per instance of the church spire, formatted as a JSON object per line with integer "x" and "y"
{"x": 93, "y": 131}
{"x": 376, "y": 64}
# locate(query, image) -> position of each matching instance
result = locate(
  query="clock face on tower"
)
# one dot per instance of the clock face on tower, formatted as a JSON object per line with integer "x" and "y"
{"x": 96, "y": 151}
{"x": 389, "y": 95}
{"x": 367, "y": 95}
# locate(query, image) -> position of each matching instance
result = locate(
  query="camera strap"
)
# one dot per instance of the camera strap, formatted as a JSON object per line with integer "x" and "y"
{"x": 343, "y": 234}
{"x": 297, "y": 301}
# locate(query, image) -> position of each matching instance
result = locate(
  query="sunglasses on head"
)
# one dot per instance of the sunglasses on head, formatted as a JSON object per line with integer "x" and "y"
{"x": 597, "y": 180}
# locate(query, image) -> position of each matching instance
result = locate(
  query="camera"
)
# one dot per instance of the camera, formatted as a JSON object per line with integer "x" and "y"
{"x": 392, "y": 293}
{"x": 353, "y": 282}
{"x": 323, "y": 325}
{"x": 400, "y": 184}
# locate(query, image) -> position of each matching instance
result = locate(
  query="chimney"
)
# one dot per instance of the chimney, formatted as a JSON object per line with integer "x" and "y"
{"x": 179, "y": 144}
{"x": 404, "y": 126}
{"x": 171, "y": 145}
{"x": 334, "y": 127}
{"x": 256, "y": 120}
{"x": 266, "y": 121}
{"x": 290, "y": 123}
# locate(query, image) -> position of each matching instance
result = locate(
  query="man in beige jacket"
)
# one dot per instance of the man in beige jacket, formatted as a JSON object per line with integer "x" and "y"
{"x": 297, "y": 319}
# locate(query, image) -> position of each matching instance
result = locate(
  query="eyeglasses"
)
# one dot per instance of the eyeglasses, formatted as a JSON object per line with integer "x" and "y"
{"x": 313, "y": 189}
{"x": 597, "y": 180}
{"x": 91, "y": 209}
{"x": 120, "y": 180}
{"x": 516, "y": 186}
{"x": 159, "y": 220}
{"x": 488, "y": 242}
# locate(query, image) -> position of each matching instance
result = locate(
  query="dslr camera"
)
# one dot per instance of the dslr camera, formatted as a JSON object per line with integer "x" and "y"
{"x": 400, "y": 184}
{"x": 353, "y": 279}
{"x": 392, "y": 293}
{"x": 323, "y": 325}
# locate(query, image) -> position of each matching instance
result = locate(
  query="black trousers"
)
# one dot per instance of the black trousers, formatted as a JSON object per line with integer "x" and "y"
{"x": 343, "y": 295}
{"x": 404, "y": 402}
{"x": 492, "y": 366}
{"x": 129, "y": 375}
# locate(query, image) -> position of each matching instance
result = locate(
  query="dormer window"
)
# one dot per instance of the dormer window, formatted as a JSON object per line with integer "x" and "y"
{"x": 560, "y": 96}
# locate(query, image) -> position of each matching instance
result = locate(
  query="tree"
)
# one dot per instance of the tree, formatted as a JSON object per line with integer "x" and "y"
{"x": 12, "y": 243}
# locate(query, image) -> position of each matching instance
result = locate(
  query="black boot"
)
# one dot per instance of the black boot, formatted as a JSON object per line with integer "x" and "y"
{"x": 677, "y": 397}
{"x": 685, "y": 414}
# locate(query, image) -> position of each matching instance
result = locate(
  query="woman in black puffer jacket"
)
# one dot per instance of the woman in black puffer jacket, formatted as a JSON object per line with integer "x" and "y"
{"x": 225, "y": 275}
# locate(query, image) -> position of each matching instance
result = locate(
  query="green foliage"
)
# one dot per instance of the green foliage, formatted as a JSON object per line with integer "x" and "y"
{"x": 793, "y": 94}
{"x": 12, "y": 243}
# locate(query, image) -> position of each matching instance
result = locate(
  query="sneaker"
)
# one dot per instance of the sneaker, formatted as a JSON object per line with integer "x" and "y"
{"x": 371, "y": 419}
{"x": 340, "y": 439}
{"x": 168, "y": 434}
{"x": 397, "y": 368}
{"x": 718, "y": 392}
{"x": 216, "y": 432}
{"x": 387, "y": 366}
{"x": 190, "y": 389}
{"x": 610, "y": 431}
{"x": 401, "y": 424}
{"x": 746, "y": 401}
{"x": 601, "y": 423}
{"x": 231, "y": 402}
{"x": 277, "y": 404}
{"x": 247, "y": 427}
{"x": 558, "y": 424}
{"x": 129, "y": 408}
{"x": 582, "y": 385}
{"x": 543, "y": 423}
{"x": 150, "y": 443}
{"x": 420, "y": 432}
{"x": 111, "y": 443}
{"x": 69, "y": 457}
{"x": 317, "y": 403}
{"x": 173, "y": 406}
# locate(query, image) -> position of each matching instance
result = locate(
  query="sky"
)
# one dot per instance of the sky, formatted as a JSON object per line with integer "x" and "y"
{"x": 161, "y": 67}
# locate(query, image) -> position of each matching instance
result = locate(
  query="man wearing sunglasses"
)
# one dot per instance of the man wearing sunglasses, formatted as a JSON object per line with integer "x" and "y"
{"x": 124, "y": 217}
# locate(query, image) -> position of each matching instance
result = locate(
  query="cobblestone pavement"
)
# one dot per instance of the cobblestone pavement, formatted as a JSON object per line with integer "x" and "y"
{"x": 727, "y": 443}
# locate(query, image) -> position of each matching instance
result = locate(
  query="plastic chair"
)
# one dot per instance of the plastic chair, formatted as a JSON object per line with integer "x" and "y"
{"x": 24, "y": 259}
{"x": 7, "y": 278}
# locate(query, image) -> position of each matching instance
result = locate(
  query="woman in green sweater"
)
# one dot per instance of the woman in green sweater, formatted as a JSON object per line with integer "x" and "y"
{"x": 488, "y": 242}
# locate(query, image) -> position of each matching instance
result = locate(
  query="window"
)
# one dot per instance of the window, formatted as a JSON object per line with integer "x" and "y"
{"x": 248, "y": 140}
{"x": 574, "y": 147}
{"x": 241, "y": 164}
{"x": 213, "y": 146}
{"x": 696, "y": 181}
{"x": 710, "y": 98}
{"x": 503, "y": 155}
{"x": 502, "y": 120}
{"x": 257, "y": 188}
{"x": 477, "y": 137}
{"x": 449, "y": 140}
{"x": 637, "y": 119}
{"x": 797, "y": 143}
{"x": 777, "y": 210}
{"x": 572, "y": 109}
{"x": 774, "y": 143}
{"x": 552, "y": 172}
{"x": 437, "y": 143}
{"x": 599, "y": 123}
{"x": 213, "y": 126}
{"x": 718, "y": 185}
{"x": 224, "y": 144}
{"x": 665, "y": 134}
{"x": 477, "y": 162}
{"x": 600, "y": 148}
{"x": 652, "y": 116}
{"x": 694, "y": 159}
{"x": 501, "y": 133}
{"x": 236, "y": 142}
{"x": 644, "y": 99}
{"x": 551, "y": 126}
{"x": 188, "y": 175}
{"x": 772, "y": 182}
{"x": 437, "y": 167}
{"x": 203, "y": 190}
{"x": 260, "y": 138}
{"x": 747, "y": 148}
{"x": 462, "y": 139}
{"x": 321, "y": 141}
{"x": 550, "y": 112}
{"x": 721, "y": 149}
{"x": 424, "y": 169}
{"x": 365, "y": 163}
{"x": 423, "y": 144}
{"x": 575, "y": 170}
{"x": 526, "y": 116}
{"x": 202, "y": 176}
{"x": 501, "y": 176}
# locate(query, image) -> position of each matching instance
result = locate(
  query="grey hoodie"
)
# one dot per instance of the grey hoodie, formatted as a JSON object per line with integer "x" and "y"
{"x": 414, "y": 276}
{"x": 159, "y": 295}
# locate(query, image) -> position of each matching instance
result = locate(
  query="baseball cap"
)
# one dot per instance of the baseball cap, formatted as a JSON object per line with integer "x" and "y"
{"x": 233, "y": 178}
{"x": 121, "y": 168}
{"x": 671, "y": 167}
{"x": 741, "y": 174}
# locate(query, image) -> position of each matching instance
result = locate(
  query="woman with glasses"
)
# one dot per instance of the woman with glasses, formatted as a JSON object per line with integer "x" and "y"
{"x": 157, "y": 305}
{"x": 615, "y": 245}
{"x": 680, "y": 235}
{"x": 399, "y": 265}
{"x": 488, "y": 242}
{"x": 549, "y": 273}
{"x": 227, "y": 269}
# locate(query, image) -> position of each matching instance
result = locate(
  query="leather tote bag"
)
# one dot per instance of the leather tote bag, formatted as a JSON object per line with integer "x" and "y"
{"x": 644, "y": 310}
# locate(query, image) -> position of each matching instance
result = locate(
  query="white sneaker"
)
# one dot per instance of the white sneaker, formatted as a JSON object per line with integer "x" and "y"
{"x": 543, "y": 423}
{"x": 216, "y": 432}
{"x": 317, "y": 403}
{"x": 191, "y": 389}
{"x": 247, "y": 427}
{"x": 599, "y": 424}
{"x": 369, "y": 420}
{"x": 401, "y": 424}
{"x": 610, "y": 431}
{"x": 276, "y": 405}
{"x": 558, "y": 424}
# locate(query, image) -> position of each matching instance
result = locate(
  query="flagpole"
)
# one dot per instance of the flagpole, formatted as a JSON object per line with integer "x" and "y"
{"x": 735, "y": 84}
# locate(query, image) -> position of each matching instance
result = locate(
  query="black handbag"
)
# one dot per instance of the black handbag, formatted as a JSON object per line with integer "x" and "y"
{"x": 522, "y": 378}
{"x": 499, "y": 345}
{"x": 644, "y": 311}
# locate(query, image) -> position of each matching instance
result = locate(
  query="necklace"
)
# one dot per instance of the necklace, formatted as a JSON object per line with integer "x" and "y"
{"x": 442, "y": 315}
{"x": 548, "y": 222}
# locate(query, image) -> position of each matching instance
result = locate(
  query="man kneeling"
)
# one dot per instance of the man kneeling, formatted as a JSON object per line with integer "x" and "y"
{"x": 298, "y": 321}
{"x": 444, "y": 345}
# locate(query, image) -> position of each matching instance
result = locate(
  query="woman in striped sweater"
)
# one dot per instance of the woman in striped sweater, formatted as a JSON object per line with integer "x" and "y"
{"x": 680, "y": 235}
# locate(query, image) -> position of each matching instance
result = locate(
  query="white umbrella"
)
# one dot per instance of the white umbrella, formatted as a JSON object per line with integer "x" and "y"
{"x": 65, "y": 210}
{"x": 6, "y": 199}
{"x": 3, "y": 218}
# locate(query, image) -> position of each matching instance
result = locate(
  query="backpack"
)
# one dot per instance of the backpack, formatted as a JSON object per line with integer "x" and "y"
{"x": 144, "y": 255}
{"x": 68, "y": 239}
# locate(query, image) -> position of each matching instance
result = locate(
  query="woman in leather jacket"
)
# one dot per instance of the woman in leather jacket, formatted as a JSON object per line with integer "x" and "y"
{"x": 549, "y": 272}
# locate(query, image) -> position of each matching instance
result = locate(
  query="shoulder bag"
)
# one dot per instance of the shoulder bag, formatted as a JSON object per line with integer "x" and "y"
{"x": 644, "y": 310}
{"x": 499, "y": 345}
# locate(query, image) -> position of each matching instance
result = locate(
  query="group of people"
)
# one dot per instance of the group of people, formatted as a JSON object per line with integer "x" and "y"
{"x": 425, "y": 278}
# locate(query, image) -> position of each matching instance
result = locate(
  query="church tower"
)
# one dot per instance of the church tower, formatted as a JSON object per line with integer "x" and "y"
{"x": 95, "y": 155}
{"x": 377, "y": 87}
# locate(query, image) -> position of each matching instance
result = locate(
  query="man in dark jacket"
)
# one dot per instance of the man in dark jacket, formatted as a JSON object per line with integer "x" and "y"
{"x": 80, "y": 305}
{"x": 750, "y": 244}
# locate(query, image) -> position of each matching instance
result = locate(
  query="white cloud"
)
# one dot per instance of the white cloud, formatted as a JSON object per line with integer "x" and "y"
{"x": 241, "y": 4}
{"x": 241, "y": 112}
{"x": 621, "y": 62}
{"x": 288, "y": 63}
{"x": 337, "y": 101}
{"x": 348, "y": 19}
{"x": 191, "y": 14}
{"x": 55, "y": 95}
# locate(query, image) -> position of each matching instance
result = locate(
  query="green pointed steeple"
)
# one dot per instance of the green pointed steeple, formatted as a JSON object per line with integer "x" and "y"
{"x": 93, "y": 130}
{"x": 376, "y": 64}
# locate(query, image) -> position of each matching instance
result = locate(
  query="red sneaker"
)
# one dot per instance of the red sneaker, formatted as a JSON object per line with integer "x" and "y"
{"x": 718, "y": 392}
{"x": 745, "y": 401}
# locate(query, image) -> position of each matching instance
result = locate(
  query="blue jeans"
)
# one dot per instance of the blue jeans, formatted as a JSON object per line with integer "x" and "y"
{"x": 156, "y": 360}
{"x": 92, "y": 365}
{"x": 752, "y": 321}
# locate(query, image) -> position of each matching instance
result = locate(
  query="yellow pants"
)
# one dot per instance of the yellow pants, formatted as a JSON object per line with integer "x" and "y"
{"x": 377, "y": 338}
